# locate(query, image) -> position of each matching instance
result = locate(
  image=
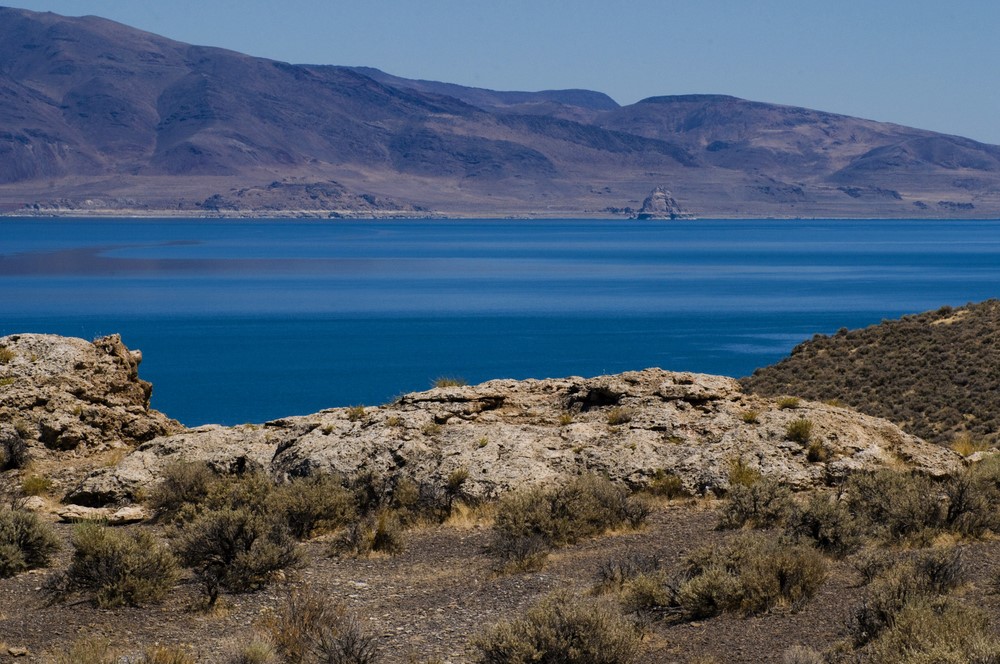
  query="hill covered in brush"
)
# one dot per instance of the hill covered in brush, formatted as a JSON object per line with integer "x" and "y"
{"x": 937, "y": 374}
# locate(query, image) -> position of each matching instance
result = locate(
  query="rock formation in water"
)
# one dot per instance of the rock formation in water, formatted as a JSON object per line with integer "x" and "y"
{"x": 660, "y": 204}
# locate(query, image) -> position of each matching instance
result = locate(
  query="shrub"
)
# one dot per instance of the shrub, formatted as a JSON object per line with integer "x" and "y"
{"x": 760, "y": 505}
{"x": 665, "y": 484}
{"x": 929, "y": 630}
{"x": 893, "y": 504}
{"x": 13, "y": 450}
{"x": 26, "y": 542}
{"x": 614, "y": 572}
{"x": 971, "y": 499}
{"x": 816, "y": 451}
{"x": 617, "y": 416}
{"x": 235, "y": 549}
{"x": 313, "y": 504}
{"x": 741, "y": 474}
{"x": 801, "y": 655}
{"x": 799, "y": 431}
{"x": 166, "y": 655}
{"x": 530, "y": 522}
{"x": 92, "y": 650}
{"x": 356, "y": 413}
{"x": 257, "y": 651}
{"x": 562, "y": 628}
{"x": 35, "y": 485}
{"x": 184, "y": 486}
{"x": 750, "y": 416}
{"x": 6, "y": 355}
{"x": 450, "y": 381}
{"x": 750, "y": 574}
{"x": 118, "y": 567}
{"x": 380, "y": 532}
{"x": 787, "y": 403}
{"x": 566, "y": 419}
{"x": 309, "y": 628}
{"x": 828, "y": 523}
{"x": 934, "y": 572}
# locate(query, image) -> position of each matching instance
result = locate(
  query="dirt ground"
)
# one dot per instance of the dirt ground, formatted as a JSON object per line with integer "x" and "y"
{"x": 426, "y": 603}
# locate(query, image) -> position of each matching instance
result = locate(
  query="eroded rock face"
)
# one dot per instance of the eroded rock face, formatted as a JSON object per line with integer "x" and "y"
{"x": 59, "y": 393}
{"x": 509, "y": 434}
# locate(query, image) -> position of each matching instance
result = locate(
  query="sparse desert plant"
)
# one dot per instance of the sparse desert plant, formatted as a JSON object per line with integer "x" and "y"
{"x": 971, "y": 499}
{"x": 787, "y": 403}
{"x": 749, "y": 574}
{"x": 750, "y": 416}
{"x": 356, "y": 413}
{"x": 616, "y": 571}
{"x": 895, "y": 505}
{"x": 36, "y": 485}
{"x": 565, "y": 419}
{"x": 183, "y": 486}
{"x": 827, "y": 522}
{"x": 380, "y": 532}
{"x": 13, "y": 450}
{"x": 258, "y": 650}
{"x": 966, "y": 445}
{"x": 941, "y": 629}
{"x": 26, "y": 542}
{"x": 6, "y": 355}
{"x": 873, "y": 563}
{"x": 740, "y": 473}
{"x": 166, "y": 655}
{"x": 562, "y": 628}
{"x": 618, "y": 416}
{"x": 310, "y": 628}
{"x": 763, "y": 504}
{"x": 118, "y": 567}
{"x": 666, "y": 484}
{"x": 450, "y": 381}
{"x": 314, "y": 504}
{"x": 799, "y": 431}
{"x": 817, "y": 452}
{"x": 87, "y": 650}
{"x": 801, "y": 655}
{"x": 235, "y": 549}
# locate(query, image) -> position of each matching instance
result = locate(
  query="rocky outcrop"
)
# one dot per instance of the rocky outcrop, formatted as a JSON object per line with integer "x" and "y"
{"x": 660, "y": 204}
{"x": 59, "y": 394}
{"x": 631, "y": 427}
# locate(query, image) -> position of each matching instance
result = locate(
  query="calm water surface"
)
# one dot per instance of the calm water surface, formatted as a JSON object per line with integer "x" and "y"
{"x": 251, "y": 320}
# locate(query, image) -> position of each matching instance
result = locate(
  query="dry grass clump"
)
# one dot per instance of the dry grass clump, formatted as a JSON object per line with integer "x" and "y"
{"x": 618, "y": 416}
{"x": 117, "y": 567}
{"x": 665, "y": 484}
{"x": 562, "y": 628}
{"x": 529, "y": 523}
{"x": 26, "y": 542}
{"x": 13, "y": 450}
{"x": 6, "y": 355}
{"x": 799, "y": 431}
{"x": 93, "y": 650}
{"x": 450, "y": 381}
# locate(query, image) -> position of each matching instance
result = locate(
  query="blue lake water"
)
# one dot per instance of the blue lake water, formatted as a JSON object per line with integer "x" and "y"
{"x": 251, "y": 320}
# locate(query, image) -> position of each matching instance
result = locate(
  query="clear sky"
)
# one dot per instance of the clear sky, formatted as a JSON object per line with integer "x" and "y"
{"x": 924, "y": 63}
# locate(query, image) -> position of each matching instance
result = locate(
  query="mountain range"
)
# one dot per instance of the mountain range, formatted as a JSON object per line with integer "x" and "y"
{"x": 98, "y": 117}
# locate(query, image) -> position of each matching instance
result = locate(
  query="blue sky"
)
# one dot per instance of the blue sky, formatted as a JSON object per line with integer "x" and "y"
{"x": 921, "y": 63}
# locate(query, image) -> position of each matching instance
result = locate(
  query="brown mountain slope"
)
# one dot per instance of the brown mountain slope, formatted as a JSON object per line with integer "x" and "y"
{"x": 91, "y": 110}
{"x": 937, "y": 374}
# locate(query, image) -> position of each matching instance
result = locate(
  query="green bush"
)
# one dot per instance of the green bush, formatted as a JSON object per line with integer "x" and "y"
{"x": 749, "y": 574}
{"x": 799, "y": 431}
{"x": 118, "y": 567}
{"x": 530, "y": 522}
{"x": 235, "y": 549}
{"x": 314, "y": 504}
{"x": 740, "y": 473}
{"x": 26, "y": 542}
{"x": 828, "y": 523}
{"x": 666, "y": 484}
{"x": 763, "y": 504}
{"x": 562, "y": 628}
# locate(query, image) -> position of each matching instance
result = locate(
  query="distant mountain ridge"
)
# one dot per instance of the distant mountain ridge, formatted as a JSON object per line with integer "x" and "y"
{"x": 99, "y": 117}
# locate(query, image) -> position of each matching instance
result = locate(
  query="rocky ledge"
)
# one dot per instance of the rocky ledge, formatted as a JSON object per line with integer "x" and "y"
{"x": 633, "y": 427}
{"x": 61, "y": 394}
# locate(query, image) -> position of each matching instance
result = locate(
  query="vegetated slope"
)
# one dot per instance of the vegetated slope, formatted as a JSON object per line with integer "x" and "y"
{"x": 92, "y": 109}
{"x": 936, "y": 374}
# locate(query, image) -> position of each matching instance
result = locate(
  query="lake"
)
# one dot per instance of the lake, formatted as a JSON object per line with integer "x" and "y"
{"x": 244, "y": 321}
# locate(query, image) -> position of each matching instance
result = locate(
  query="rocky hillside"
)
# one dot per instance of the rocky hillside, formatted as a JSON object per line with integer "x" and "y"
{"x": 937, "y": 374}
{"x": 101, "y": 118}
{"x": 59, "y": 394}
